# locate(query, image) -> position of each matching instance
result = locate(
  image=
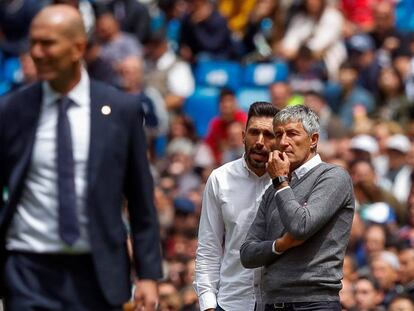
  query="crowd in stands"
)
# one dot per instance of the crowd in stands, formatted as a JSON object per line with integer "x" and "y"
{"x": 196, "y": 66}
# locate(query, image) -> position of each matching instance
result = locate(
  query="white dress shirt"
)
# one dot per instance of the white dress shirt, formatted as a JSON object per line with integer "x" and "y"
{"x": 230, "y": 202}
{"x": 35, "y": 224}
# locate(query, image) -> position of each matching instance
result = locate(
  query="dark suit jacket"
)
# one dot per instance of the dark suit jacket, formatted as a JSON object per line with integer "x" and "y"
{"x": 117, "y": 167}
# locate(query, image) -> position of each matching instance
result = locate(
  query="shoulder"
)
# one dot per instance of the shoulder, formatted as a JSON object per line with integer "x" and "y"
{"x": 336, "y": 171}
{"x": 230, "y": 168}
{"x": 113, "y": 94}
{"x": 10, "y": 101}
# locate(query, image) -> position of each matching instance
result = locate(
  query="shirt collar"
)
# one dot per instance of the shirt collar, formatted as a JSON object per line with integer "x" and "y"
{"x": 307, "y": 166}
{"x": 79, "y": 94}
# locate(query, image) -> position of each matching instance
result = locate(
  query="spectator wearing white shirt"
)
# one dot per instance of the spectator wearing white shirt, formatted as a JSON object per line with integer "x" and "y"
{"x": 169, "y": 74}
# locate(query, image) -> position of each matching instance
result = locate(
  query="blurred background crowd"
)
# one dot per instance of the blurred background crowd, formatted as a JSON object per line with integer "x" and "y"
{"x": 196, "y": 66}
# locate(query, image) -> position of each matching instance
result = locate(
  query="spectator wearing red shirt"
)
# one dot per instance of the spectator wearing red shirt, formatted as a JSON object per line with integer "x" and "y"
{"x": 229, "y": 112}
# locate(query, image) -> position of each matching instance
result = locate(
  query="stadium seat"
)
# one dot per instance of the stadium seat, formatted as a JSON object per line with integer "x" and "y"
{"x": 263, "y": 74}
{"x": 218, "y": 74}
{"x": 248, "y": 95}
{"x": 202, "y": 106}
{"x": 12, "y": 70}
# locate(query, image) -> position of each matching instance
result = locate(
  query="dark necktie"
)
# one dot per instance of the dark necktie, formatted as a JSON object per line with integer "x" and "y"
{"x": 68, "y": 222}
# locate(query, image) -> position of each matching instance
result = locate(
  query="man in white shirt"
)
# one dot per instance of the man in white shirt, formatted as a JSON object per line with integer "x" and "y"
{"x": 231, "y": 198}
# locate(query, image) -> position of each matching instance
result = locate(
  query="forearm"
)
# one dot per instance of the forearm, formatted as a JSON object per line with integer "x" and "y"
{"x": 327, "y": 196}
{"x": 254, "y": 254}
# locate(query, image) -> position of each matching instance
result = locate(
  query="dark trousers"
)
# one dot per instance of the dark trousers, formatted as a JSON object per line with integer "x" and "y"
{"x": 305, "y": 306}
{"x": 48, "y": 282}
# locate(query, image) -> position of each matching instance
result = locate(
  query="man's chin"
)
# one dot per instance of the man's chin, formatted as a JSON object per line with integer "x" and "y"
{"x": 256, "y": 164}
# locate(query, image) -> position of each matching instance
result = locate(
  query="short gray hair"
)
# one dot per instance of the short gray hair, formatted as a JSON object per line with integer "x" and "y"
{"x": 298, "y": 113}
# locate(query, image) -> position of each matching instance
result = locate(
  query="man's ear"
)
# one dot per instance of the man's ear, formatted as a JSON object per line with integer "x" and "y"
{"x": 244, "y": 136}
{"x": 314, "y": 140}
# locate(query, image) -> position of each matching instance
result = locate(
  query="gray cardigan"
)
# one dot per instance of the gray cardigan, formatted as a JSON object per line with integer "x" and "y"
{"x": 319, "y": 209}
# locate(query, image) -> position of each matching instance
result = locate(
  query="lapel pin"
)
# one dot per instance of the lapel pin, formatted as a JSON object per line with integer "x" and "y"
{"x": 106, "y": 110}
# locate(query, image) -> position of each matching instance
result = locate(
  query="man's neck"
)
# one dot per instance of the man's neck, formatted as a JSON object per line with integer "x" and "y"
{"x": 65, "y": 85}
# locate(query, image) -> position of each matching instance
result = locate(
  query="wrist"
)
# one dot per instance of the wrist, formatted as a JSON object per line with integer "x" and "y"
{"x": 280, "y": 182}
{"x": 276, "y": 248}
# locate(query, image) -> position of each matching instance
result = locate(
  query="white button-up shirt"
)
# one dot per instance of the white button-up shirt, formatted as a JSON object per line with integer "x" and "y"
{"x": 230, "y": 202}
{"x": 35, "y": 224}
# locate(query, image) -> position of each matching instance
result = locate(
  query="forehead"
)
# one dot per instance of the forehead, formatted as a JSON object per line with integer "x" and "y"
{"x": 261, "y": 123}
{"x": 290, "y": 125}
{"x": 53, "y": 27}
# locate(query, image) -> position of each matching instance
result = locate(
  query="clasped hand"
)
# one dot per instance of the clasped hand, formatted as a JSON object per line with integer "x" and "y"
{"x": 278, "y": 164}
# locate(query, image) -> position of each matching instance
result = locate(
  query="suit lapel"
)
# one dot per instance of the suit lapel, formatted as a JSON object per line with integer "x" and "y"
{"x": 98, "y": 131}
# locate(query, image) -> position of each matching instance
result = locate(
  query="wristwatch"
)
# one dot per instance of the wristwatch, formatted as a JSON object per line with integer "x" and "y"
{"x": 278, "y": 180}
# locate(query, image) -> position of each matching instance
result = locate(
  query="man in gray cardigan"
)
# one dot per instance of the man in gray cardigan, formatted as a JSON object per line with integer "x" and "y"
{"x": 313, "y": 203}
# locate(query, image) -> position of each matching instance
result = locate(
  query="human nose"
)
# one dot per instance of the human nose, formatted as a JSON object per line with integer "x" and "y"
{"x": 260, "y": 140}
{"x": 36, "y": 50}
{"x": 284, "y": 140}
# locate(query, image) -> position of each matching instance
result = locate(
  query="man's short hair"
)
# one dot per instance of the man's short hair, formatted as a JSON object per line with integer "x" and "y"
{"x": 374, "y": 282}
{"x": 225, "y": 91}
{"x": 261, "y": 109}
{"x": 298, "y": 113}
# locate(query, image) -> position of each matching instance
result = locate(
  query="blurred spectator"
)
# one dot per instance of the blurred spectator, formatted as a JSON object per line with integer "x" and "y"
{"x": 358, "y": 16}
{"x": 406, "y": 232}
{"x": 28, "y": 70}
{"x": 204, "y": 33}
{"x": 264, "y": 30}
{"x": 374, "y": 242}
{"x": 235, "y": 143}
{"x": 318, "y": 26}
{"x": 386, "y": 36}
{"x": 307, "y": 72}
{"x": 15, "y": 19}
{"x": 368, "y": 295}
{"x": 399, "y": 172}
{"x": 346, "y": 295}
{"x": 131, "y": 70}
{"x": 392, "y": 103}
{"x": 401, "y": 303}
{"x": 114, "y": 45}
{"x": 229, "y": 112}
{"x": 170, "y": 299}
{"x": 173, "y": 12}
{"x": 364, "y": 147}
{"x": 282, "y": 95}
{"x": 350, "y": 268}
{"x": 348, "y": 96}
{"x": 132, "y": 16}
{"x": 236, "y": 12}
{"x": 170, "y": 75}
{"x": 385, "y": 267}
{"x": 406, "y": 258}
{"x": 382, "y": 130}
{"x": 330, "y": 125}
{"x": 403, "y": 62}
{"x": 369, "y": 192}
{"x": 180, "y": 165}
{"x": 362, "y": 54}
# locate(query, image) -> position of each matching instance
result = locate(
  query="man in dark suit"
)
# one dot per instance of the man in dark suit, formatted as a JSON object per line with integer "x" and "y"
{"x": 70, "y": 150}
